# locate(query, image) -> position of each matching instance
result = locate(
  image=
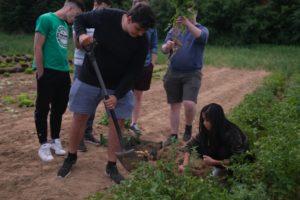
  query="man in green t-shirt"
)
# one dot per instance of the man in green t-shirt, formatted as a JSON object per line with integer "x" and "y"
{"x": 52, "y": 74}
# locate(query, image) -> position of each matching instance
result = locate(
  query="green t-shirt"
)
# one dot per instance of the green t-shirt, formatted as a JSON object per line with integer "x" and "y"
{"x": 56, "y": 32}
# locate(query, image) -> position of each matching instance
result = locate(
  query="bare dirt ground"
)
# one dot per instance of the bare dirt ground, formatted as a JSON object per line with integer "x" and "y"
{"x": 24, "y": 176}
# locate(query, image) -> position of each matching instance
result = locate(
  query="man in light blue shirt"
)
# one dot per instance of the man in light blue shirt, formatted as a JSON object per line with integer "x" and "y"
{"x": 182, "y": 80}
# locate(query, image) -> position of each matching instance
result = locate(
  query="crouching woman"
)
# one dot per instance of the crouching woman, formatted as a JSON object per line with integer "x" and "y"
{"x": 217, "y": 141}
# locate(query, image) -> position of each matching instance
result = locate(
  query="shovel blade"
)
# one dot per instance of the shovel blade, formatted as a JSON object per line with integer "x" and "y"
{"x": 129, "y": 159}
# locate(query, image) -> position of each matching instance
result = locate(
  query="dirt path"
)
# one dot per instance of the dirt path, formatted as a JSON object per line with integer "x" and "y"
{"x": 24, "y": 176}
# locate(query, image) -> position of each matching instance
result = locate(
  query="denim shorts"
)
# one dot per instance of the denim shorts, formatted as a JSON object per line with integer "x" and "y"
{"x": 182, "y": 86}
{"x": 84, "y": 99}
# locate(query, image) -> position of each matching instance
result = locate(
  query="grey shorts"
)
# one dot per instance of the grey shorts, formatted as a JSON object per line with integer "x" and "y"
{"x": 84, "y": 99}
{"x": 182, "y": 86}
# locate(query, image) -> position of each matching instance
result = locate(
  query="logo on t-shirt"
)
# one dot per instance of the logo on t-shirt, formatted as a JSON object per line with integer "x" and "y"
{"x": 62, "y": 36}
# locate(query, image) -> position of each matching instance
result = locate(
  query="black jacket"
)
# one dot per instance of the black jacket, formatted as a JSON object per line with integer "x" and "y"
{"x": 231, "y": 141}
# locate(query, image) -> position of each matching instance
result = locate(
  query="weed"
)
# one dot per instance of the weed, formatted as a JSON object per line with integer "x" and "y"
{"x": 6, "y": 74}
{"x": 24, "y": 100}
{"x": 8, "y": 100}
{"x": 28, "y": 70}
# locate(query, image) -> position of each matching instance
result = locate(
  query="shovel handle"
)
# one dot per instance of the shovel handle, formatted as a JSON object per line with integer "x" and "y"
{"x": 92, "y": 59}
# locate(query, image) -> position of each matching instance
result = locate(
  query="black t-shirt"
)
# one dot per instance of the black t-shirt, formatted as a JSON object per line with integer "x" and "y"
{"x": 119, "y": 56}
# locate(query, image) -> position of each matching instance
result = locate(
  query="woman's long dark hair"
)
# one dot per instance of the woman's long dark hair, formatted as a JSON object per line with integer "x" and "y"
{"x": 214, "y": 113}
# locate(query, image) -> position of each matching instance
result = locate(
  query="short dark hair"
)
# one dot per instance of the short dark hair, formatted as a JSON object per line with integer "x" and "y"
{"x": 78, "y": 3}
{"x": 108, "y": 2}
{"x": 143, "y": 15}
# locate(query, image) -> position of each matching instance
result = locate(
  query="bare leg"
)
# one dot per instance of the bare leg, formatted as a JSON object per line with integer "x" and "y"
{"x": 137, "y": 105}
{"x": 175, "y": 117}
{"x": 113, "y": 140}
{"x": 77, "y": 131}
{"x": 189, "y": 111}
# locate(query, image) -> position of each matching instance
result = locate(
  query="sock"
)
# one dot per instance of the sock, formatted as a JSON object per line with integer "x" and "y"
{"x": 111, "y": 164}
{"x": 188, "y": 128}
{"x": 72, "y": 156}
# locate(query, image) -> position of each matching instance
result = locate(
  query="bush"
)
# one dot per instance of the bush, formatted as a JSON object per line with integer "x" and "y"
{"x": 269, "y": 21}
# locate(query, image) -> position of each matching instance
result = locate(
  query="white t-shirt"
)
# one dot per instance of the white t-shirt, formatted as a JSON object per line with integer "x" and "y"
{"x": 80, "y": 53}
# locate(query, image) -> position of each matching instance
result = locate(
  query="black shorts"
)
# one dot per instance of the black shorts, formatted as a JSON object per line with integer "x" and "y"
{"x": 144, "y": 81}
{"x": 182, "y": 86}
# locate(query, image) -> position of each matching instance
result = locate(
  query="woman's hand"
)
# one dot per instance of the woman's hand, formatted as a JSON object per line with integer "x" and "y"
{"x": 209, "y": 161}
{"x": 181, "y": 168}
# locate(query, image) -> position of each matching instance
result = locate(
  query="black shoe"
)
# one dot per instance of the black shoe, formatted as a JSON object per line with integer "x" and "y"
{"x": 187, "y": 136}
{"x": 113, "y": 173}
{"x": 91, "y": 139}
{"x": 65, "y": 170}
{"x": 82, "y": 146}
{"x": 171, "y": 139}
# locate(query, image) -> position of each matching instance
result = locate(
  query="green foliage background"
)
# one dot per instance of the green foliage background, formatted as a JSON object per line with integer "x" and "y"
{"x": 229, "y": 21}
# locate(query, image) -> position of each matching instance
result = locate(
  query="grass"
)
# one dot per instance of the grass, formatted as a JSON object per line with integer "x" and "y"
{"x": 270, "y": 57}
{"x": 13, "y": 44}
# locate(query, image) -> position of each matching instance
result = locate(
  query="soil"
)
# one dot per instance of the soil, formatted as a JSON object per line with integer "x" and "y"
{"x": 25, "y": 176}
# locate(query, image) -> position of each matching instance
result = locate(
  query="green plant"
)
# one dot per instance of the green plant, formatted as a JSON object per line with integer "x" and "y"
{"x": 8, "y": 100}
{"x": 24, "y": 100}
{"x": 103, "y": 120}
{"x": 28, "y": 70}
{"x": 6, "y": 74}
{"x": 184, "y": 8}
{"x": 159, "y": 72}
{"x": 127, "y": 123}
{"x": 103, "y": 140}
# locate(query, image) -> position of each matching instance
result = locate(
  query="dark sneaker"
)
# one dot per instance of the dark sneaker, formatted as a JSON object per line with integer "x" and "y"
{"x": 91, "y": 139}
{"x": 65, "y": 170}
{"x": 187, "y": 135}
{"x": 113, "y": 173}
{"x": 82, "y": 146}
{"x": 171, "y": 139}
{"x": 135, "y": 129}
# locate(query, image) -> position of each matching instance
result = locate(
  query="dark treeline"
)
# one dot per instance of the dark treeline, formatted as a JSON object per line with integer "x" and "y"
{"x": 229, "y": 21}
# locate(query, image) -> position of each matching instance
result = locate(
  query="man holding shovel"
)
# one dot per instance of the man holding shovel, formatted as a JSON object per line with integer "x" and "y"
{"x": 120, "y": 53}
{"x": 78, "y": 61}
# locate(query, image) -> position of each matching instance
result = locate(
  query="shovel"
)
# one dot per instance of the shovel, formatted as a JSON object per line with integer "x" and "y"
{"x": 128, "y": 158}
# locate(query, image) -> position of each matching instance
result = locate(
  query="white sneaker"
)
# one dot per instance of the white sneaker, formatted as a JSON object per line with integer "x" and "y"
{"x": 56, "y": 146}
{"x": 45, "y": 153}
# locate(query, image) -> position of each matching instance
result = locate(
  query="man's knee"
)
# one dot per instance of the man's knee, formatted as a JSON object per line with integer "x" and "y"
{"x": 189, "y": 104}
